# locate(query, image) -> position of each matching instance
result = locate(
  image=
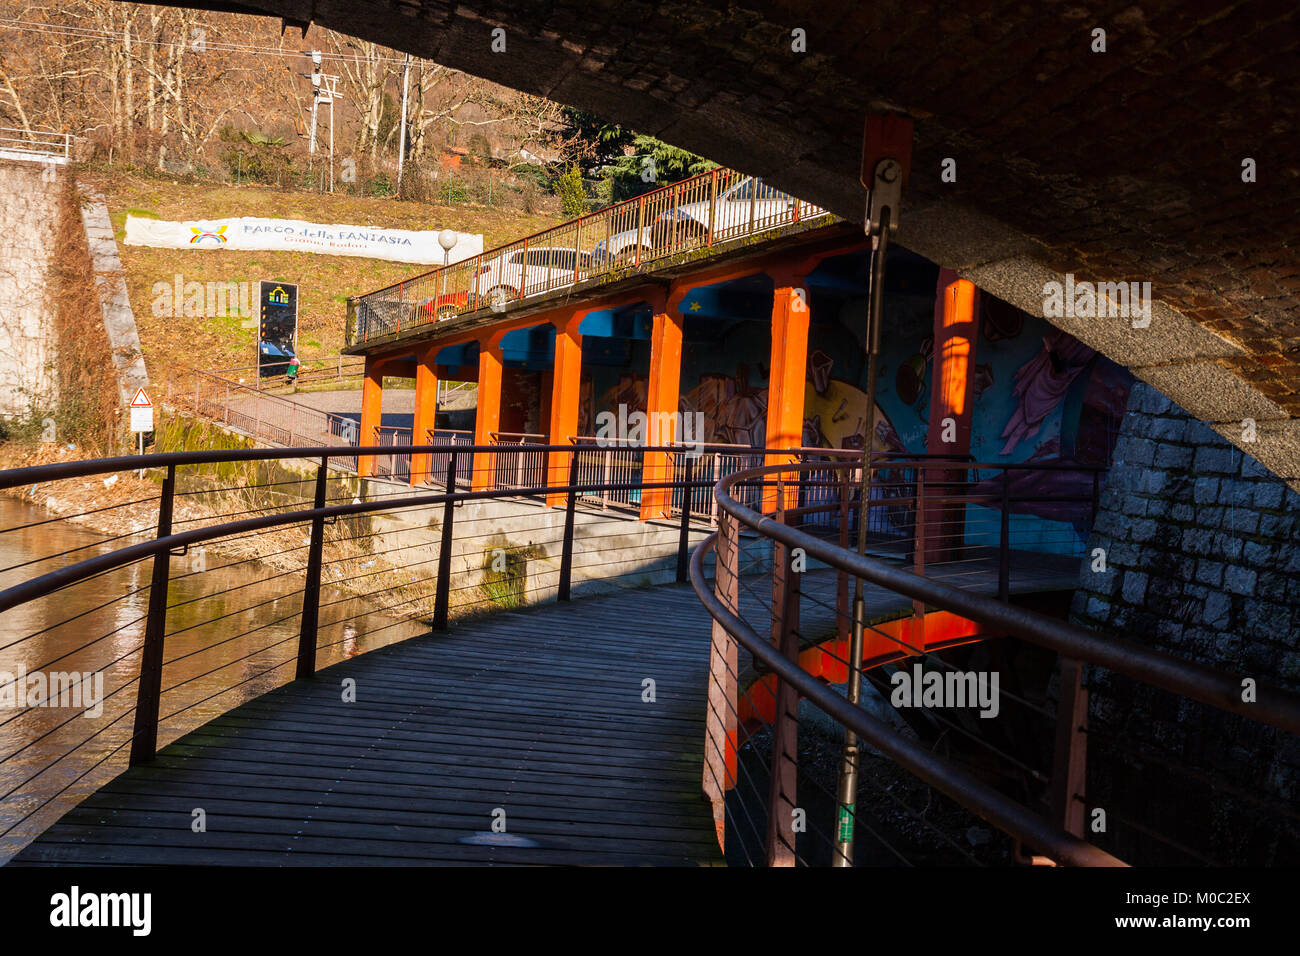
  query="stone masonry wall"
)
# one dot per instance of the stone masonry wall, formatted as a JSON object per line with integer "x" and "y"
{"x": 1202, "y": 555}
{"x": 29, "y": 207}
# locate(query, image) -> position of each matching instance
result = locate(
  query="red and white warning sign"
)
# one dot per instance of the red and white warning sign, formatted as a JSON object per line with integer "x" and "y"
{"x": 141, "y": 412}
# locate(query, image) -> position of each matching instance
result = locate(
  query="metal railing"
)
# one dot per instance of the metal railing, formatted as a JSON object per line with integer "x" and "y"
{"x": 710, "y": 209}
{"x": 196, "y": 648}
{"x": 762, "y": 759}
{"x": 35, "y": 144}
{"x": 174, "y": 650}
{"x": 334, "y": 369}
{"x": 258, "y": 414}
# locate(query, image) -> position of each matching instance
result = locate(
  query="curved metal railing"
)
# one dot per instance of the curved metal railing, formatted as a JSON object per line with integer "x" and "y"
{"x": 788, "y": 665}
{"x": 220, "y": 596}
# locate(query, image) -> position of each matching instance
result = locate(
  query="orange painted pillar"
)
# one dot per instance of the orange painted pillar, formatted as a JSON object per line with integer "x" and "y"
{"x": 487, "y": 418}
{"x": 372, "y": 403}
{"x": 426, "y": 410}
{"x": 956, "y": 330}
{"x": 566, "y": 393}
{"x": 662, "y": 392}
{"x": 787, "y": 380}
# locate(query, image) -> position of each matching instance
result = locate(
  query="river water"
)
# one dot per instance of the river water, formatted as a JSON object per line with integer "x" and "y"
{"x": 229, "y": 625}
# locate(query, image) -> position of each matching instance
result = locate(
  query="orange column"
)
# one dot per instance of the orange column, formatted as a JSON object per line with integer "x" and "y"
{"x": 956, "y": 330}
{"x": 372, "y": 402}
{"x": 426, "y": 410}
{"x": 662, "y": 392}
{"x": 787, "y": 380}
{"x": 488, "y": 416}
{"x": 566, "y": 390}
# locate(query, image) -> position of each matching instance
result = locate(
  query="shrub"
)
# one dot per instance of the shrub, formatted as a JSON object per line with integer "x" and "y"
{"x": 572, "y": 193}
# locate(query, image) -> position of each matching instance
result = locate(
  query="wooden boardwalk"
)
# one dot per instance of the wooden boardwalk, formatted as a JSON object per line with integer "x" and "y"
{"x": 536, "y": 714}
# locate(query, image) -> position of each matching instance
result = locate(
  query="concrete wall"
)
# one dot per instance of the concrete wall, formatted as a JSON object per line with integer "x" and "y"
{"x": 29, "y": 209}
{"x": 611, "y": 551}
{"x": 1202, "y": 550}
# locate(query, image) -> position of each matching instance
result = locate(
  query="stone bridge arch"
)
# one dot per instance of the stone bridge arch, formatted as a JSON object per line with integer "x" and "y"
{"x": 1122, "y": 165}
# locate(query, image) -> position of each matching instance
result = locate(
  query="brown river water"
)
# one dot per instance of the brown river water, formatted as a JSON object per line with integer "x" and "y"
{"x": 229, "y": 625}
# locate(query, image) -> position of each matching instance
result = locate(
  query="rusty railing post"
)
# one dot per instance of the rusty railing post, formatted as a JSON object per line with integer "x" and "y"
{"x": 713, "y": 205}
{"x": 443, "y": 594}
{"x": 842, "y": 616}
{"x": 311, "y": 588}
{"x": 918, "y": 559}
{"x": 640, "y": 226}
{"x": 782, "y": 797}
{"x": 144, "y": 738}
{"x": 1070, "y": 757}
{"x": 721, "y": 721}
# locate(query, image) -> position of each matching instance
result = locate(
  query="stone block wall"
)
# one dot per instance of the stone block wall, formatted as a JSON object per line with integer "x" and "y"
{"x": 29, "y": 210}
{"x": 1202, "y": 557}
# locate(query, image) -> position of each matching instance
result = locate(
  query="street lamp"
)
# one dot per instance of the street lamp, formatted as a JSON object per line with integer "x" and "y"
{"x": 447, "y": 239}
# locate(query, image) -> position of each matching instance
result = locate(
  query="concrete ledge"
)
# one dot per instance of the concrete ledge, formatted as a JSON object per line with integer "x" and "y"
{"x": 119, "y": 320}
{"x": 1211, "y": 392}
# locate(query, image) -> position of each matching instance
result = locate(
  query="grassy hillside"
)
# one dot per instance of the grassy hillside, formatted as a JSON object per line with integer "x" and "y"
{"x": 325, "y": 282}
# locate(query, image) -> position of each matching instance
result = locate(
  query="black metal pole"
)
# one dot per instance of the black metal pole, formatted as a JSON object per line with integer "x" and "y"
{"x": 444, "y": 553}
{"x": 311, "y": 587}
{"x": 848, "y": 782}
{"x": 1004, "y": 544}
{"x": 144, "y": 740}
{"x": 684, "y": 533}
{"x": 570, "y": 510}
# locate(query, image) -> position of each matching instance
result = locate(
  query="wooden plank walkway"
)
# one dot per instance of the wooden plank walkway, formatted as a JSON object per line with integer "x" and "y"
{"x": 536, "y": 712}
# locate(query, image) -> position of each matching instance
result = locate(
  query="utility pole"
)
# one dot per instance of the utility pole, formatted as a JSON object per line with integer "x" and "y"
{"x": 401, "y": 137}
{"x": 886, "y": 156}
{"x": 330, "y": 84}
{"x": 315, "y": 99}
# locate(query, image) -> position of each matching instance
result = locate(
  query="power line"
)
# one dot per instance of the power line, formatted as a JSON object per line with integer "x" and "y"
{"x": 87, "y": 33}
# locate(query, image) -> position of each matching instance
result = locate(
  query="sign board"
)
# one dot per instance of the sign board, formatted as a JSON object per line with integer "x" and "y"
{"x": 294, "y": 235}
{"x": 141, "y": 412}
{"x": 277, "y": 335}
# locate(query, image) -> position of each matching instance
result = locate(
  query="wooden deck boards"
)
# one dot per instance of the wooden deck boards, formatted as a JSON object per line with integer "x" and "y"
{"x": 537, "y": 712}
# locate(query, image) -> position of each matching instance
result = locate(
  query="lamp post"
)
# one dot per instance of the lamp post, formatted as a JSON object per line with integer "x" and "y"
{"x": 447, "y": 239}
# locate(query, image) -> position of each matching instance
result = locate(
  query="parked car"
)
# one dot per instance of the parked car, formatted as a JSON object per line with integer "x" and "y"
{"x": 538, "y": 270}
{"x": 747, "y": 206}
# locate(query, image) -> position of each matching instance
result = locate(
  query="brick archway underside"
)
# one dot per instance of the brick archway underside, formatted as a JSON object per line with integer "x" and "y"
{"x": 1116, "y": 166}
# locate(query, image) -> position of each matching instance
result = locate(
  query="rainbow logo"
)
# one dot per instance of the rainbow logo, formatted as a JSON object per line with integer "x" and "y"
{"x": 219, "y": 236}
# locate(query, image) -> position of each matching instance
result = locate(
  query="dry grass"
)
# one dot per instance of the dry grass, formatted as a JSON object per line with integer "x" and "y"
{"x": 325, "y": 282}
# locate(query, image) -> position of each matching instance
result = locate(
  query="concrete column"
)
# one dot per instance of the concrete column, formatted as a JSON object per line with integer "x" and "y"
{"x": 662, "y": 392}
{"x": 787, "y": 380}
{"x": 566, "y": 391}
{"x": 956, "y": 331}
{"x": 488, "y": 417}
{"x": 426, "y": 409}
{"x": 372, "y": 402}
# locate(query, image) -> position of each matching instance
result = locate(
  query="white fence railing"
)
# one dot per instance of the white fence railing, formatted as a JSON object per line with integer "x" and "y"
{"x": 44, "y": 145}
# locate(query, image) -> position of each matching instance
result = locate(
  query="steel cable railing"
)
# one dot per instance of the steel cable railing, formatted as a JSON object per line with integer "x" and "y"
{"x": 214, "y": 644}
{"x": 798, "y": 654}
{"x": 707, "y": 210}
